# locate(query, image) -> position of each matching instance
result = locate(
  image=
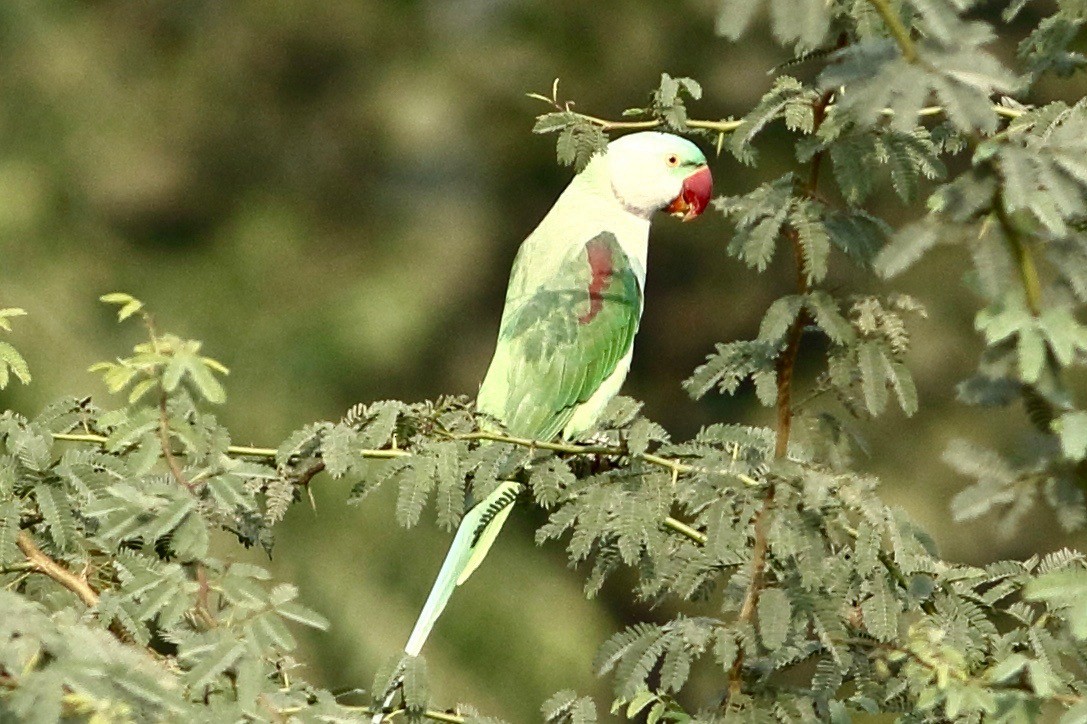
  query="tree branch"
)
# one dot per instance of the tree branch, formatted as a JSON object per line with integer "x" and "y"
{"x": 786, "y": 364}
{"x": 675, "y": 466}
{"x": 1021, "y": 254}
{"x": 898, "y": 31}
{"x": 698, "y": 537}
{"x": 238, "y": 450}
{"x": 46, "y": 565}
{"x": 728, "y": 126}
{"x": 167, "y": 446}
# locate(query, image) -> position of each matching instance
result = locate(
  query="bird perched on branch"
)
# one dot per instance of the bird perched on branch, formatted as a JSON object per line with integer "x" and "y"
{"x": 573, "y": 304}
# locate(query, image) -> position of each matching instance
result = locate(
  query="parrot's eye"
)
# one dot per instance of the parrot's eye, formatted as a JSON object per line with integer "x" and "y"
{"x": 672, "y": 160}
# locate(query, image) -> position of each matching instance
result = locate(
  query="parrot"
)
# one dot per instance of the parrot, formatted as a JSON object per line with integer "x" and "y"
{"x": 572, "y": 308}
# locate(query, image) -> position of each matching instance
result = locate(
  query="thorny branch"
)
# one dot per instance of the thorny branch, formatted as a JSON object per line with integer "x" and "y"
{"x": 42, "y": 563}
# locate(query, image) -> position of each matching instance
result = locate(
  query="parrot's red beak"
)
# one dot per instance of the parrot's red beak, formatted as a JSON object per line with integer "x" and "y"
{"x": 695, "y": 195}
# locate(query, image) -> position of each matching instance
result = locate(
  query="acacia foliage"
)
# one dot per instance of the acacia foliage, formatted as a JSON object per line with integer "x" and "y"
{"x": 805, "y": 596}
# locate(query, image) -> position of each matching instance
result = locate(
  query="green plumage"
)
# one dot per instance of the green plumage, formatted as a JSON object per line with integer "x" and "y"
{"x": 559, "y": 342}
{"x": 572, "y": 309}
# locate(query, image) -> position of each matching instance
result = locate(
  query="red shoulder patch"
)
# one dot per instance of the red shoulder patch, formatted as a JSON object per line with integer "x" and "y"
{"x": 601, "y": 265}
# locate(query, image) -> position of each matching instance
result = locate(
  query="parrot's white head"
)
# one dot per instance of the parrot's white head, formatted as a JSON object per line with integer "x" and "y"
{"x": 652, "y": 171}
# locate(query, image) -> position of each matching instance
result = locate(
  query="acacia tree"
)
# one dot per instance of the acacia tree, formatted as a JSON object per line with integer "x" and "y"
{"x": 810, "y": 598}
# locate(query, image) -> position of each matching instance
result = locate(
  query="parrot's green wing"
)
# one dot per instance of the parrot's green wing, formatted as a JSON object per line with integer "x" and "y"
{"x": 562, "y": 339}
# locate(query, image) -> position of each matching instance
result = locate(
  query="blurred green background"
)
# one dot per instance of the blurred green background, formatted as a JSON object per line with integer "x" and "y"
{"x": 330, "y": 195}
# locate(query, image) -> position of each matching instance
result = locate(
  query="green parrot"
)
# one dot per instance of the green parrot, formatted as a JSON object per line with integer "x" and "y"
{"x": 573, "y": 305}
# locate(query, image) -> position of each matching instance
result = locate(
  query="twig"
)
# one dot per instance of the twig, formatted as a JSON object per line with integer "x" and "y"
{"x": 898, "y": 31}
{"x": 729, "y": 126}
{"x": 239, "y": 450}
{"x": 432, "y": 714}
{"x": 46, "y": 565}
{"x": 24, "y": 567}
{"x": 698, "y": 537}
{"x": 203, "y": 595}
{"x": 167, "y": 446}
{"x": 578, "y": 449}
{"x": 1021, "y": 254}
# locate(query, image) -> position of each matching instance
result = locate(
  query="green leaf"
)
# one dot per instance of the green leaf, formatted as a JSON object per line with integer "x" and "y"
{"x": 1032, "y": 353}
{"x": 213, "y": 662}
{"x": 557, "y": 704}
{"x": 1072, "y": 427}
{"x": 824, "y": 309}
{"x": 774, "y": 616}
{"x": 450, "y": 483}
{"x": 1007, "y": 668}
{"x": 906, "y": 246}
{"x": 129, "y": 305}
{"x": 902, "y": 382}
{"x": 880, "y": 611}
{"x": 1065, "y": 591}
{"x": 551, "y": 122}
{"x": 734, "y": 17}
{"x": 872, "y": 365}
{"x": 300, "y": 614}
{"x": 10, "y": 359}
{"x": 730, "y": 365}
{"x": 779, "y": 317}
{"x": 1065, "y": 334}
{"x": 814, "y": 239}
{"x": 1001, "y": 320}
{"x": 641, "y": 700}
{"x": 416, "y": 480}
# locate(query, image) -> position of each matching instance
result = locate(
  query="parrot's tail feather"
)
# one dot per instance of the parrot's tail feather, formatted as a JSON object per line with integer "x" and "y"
{"x": 473, "y": 539}
{"x": 494, "y": 508}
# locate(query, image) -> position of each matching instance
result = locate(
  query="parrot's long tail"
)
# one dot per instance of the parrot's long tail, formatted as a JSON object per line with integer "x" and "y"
{"x": 476, "y": 534}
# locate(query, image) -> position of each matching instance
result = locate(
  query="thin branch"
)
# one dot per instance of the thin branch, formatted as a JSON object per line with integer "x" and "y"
{"x": 698, "y": 537}
{"x": 318, "y": 466}
{"x": 675, "y": 466}
{"x": 607, "y": 125}
{"x": 46, "y": 565}
{"x": 1021, "y": 254}
{"x": 252, "y": 452}
{"x": 24, "y": 567}
{"x": 76, "y": 437}
{"x": 432, "y": 714}
{"x": 203, "y": 595}
{"x": 898, "y": 31}
{"x": 167, "y": 446}
{"x": 239, "y": 450}
{"x": 728, "y": 126}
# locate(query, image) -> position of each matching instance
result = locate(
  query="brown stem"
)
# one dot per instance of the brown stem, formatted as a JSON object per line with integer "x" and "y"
{"x": 167, "y": 447}
{"x": 786, "y": 364}
{"x": 46, "y": 565}
{"x": 203, "y": 596}
{"x": 308, "y": 473}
